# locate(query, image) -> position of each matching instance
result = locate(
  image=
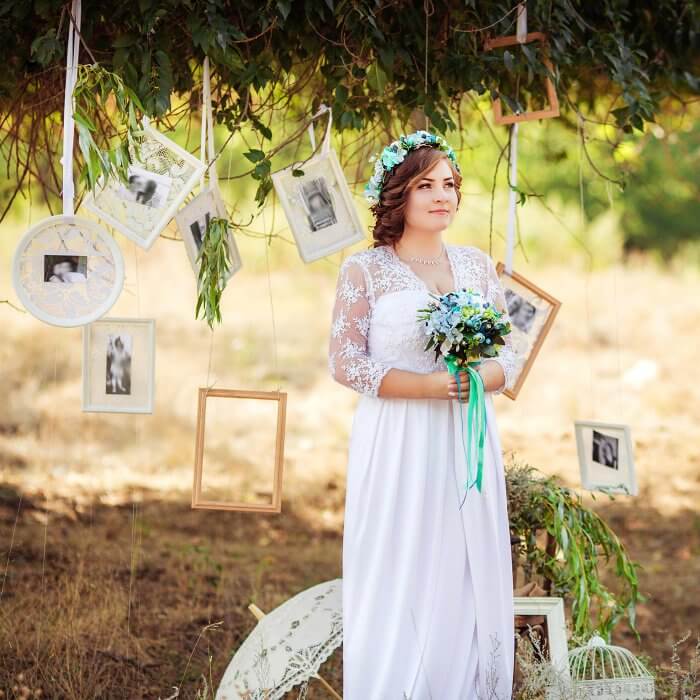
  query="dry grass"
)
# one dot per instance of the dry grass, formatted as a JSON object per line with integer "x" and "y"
{"x": 110, "y": 582}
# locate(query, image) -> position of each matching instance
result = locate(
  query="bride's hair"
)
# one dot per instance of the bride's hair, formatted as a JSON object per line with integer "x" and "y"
{"x": 389, "y": 210}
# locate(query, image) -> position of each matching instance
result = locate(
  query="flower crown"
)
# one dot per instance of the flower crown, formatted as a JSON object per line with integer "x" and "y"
{"x": 394, "y": 154}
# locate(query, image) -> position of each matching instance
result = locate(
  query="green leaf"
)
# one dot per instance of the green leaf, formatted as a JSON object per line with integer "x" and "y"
{"x": 376, "y": 78}
{"x": 254, "y": 155}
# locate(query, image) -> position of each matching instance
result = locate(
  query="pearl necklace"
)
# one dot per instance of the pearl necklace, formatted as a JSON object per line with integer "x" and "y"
{"x": 426, "y": 261}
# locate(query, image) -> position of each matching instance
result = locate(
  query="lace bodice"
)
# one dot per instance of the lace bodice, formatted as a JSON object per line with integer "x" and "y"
{"x": 374, "y": 326}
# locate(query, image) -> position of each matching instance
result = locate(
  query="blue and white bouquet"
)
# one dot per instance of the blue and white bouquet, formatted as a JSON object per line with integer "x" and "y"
{"x": 464, "y": 329}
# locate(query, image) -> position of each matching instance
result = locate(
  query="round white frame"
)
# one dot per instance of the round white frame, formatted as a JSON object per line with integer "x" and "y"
{"x": 96, "y": 230}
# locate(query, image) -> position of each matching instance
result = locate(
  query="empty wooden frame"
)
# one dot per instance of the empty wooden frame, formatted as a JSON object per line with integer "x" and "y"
{"x": 275, "y": 504}
{"x": 531, "y": 311}
{"x": 548, "y": 113}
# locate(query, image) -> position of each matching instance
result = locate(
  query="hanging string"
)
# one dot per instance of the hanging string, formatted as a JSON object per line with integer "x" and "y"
{"x": 206, "y": 147}
{"x": 326, "y": 143}
{"x": 428, "y": 9}
{"x": 72, "y": 51}
{"x": 513, "y": 157}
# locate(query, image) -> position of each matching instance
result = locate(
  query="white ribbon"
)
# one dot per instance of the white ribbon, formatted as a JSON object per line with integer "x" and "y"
{"x": 206, "y": 148}
{"x": 326, "y": 143}
{"x": 513, "y": 157}
{"x": 72, "y": 51}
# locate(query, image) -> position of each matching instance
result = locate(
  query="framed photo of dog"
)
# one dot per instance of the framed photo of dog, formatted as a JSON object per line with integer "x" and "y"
{"x": 532, "y": 312}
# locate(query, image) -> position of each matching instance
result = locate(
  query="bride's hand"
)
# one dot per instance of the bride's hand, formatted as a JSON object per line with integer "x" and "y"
{"x": 443, "y": 385}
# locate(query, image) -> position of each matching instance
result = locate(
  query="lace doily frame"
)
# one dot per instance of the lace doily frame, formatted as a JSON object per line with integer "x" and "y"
{"x": 71, "y": 302}
{"x": 170, "y": 172}
{"x": 206, "y": 202}
{"x": 327, "y": 239}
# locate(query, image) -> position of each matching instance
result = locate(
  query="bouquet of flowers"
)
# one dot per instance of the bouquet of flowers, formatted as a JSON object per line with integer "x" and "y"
{"x": 464, "y": 328}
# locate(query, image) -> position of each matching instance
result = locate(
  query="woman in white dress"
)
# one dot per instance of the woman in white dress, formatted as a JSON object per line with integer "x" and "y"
{"x": 427, "y": 586}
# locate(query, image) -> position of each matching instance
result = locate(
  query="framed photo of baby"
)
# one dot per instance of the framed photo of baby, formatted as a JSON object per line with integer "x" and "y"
{"x": 605, "y": 457}
{"x": 318, "y": 205}
{"x": 532, "y": 312}
{"x": 119, "y": 365}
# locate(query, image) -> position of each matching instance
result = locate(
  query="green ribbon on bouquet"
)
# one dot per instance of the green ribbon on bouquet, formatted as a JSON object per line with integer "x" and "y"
{"x": 476, "y": 422}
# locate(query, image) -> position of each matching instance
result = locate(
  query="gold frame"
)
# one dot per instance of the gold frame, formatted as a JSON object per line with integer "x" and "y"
{"x": 553, "y": 110}
{"x": 555, "y": 304}
{"x": 276, "y": 505}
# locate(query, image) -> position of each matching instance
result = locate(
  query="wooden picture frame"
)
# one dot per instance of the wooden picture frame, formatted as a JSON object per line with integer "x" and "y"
{"x": 337, "y": 224}
{"x": 134, "y": 392}
{"x": 548, "y": 613}
{"x": 195, "y": 213}
{"x": 606, "y": 457}
{"x": 548, "y": 113}
{"x": 275, "y": 506}
{"x": 532, "y": 300}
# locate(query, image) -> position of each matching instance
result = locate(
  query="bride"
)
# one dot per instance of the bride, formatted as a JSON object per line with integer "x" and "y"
{"x": 427, "y": 586}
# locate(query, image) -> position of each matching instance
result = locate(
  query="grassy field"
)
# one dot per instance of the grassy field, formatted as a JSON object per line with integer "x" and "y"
{"x": 111, "y": 586}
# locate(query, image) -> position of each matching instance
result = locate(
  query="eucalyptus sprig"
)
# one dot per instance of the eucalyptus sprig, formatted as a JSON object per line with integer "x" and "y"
{"x": 94, "y": 89}
{"x": 584, "y": 544}
{"x": 214, "y": 260}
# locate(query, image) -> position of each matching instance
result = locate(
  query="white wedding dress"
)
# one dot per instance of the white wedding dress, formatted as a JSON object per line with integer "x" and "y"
{"x": 427, "y": 588}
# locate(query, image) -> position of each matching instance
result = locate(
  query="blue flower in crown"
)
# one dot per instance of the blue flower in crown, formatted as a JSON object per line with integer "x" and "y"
{"x": 396, "y": 151}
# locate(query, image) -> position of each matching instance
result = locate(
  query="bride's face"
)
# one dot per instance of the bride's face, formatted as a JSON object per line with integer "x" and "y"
{"x": 432, "y": 200}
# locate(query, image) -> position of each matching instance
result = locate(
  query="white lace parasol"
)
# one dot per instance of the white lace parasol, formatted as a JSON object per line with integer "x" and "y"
{"x": 287, "y": 646}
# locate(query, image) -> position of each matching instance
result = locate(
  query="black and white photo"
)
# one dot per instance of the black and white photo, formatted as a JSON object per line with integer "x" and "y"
{"x": 531, "y": 312}
{"x": 118, "y": 363}
{"x": 605, "y": 454}
{"x": 65, "y": 269}
{"x": 160, "y": 178}
{"x": 319, "y": 208}
{"x": 522, "y": 313}
{"x": 604, "y": 449}
{"x": 146, "y": 188}
{"x": 316, "y": 199}
{"x": 192, "y": 221}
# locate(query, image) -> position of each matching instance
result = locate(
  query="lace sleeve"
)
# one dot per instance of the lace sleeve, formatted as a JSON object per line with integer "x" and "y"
{"x": 506, "y": 357}
{"x": 348, "y": 360}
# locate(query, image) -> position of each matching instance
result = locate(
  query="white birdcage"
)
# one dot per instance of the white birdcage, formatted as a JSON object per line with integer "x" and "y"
{"x": 608, "y": 672}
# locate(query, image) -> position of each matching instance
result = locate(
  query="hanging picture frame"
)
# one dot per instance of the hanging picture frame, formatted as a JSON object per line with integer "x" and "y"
{"x": 605, "y": 456}
{"x": 159, "y": 182}
{"x": 67, "y": 271}
{"x": 551, "y": 110}
{"x": 318, "y": 204}
{"x": 119, "y": 365}
{"x": 192, "y": 221}
{"x": 532, "y": 312}
{"x": 254, "y": 414}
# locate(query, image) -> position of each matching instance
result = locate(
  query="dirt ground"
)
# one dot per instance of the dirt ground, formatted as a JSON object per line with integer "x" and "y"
{"x": 111, "y": 586}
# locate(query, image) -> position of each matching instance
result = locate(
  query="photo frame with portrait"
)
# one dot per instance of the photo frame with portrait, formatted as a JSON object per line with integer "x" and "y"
{"x": 239, "y": 450}
{"x": 532, "y": 312}
{"x": 606, "y": 459}
{"x": 192, "y": 221}
{"x": 67, "y": 271}
{"x": 158, "y": 183}
{"x": 119, "y": 365}
{"x": 541, "y": 623}
{"x": 318, "y": 205}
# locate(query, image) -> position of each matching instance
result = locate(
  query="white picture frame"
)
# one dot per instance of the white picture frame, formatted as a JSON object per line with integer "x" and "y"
{"x": 165, "y": 175}
{"x": 606, "y": 457}
{"x": 192, "y": 220}
{"x": 318, "y": 206}
{"x": 72, "y": 302}
{"x": 129, "y": 385}
{"x": 552, "y": 609}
